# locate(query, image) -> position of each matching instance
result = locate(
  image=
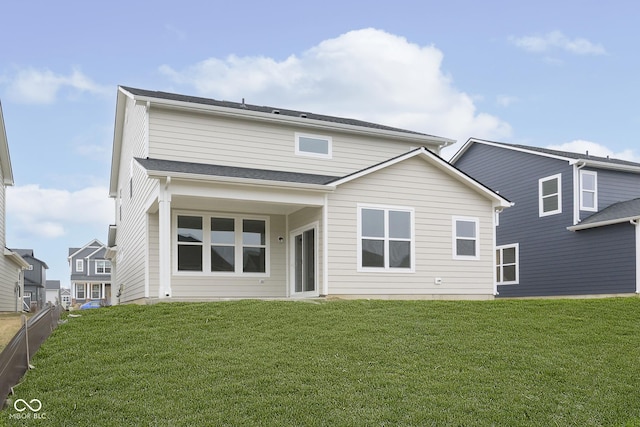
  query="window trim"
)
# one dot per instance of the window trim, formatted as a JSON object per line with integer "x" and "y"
{"x": 99, "y": 286}
{"x": 300, "y": 152}
{"x": 541, "y": 212}
{"x": 386, "y": 239}
{"x": 501, "y": 264}
{"x": 84, "y": 291}
{"x": 206, "y": 245}
{"x": 105, "y": 263}
{"x": 79, "y": 266}
{"x": 454, "y": 235}
{"x": 595, "y": 191}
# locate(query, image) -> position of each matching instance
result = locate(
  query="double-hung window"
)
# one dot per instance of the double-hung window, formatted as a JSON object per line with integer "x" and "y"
{"x": 95, "y": 290}
{"x": 236, "y": 245}
{"x": 386, "y": 239}
{"x": 465, "y": 238}
{"x": 550, "y": 195}
{"x": 507, "y": 264}
{"x": 79, "y": 265}
{"x": 588, "y": 190}
{"x": 80, "y": 291}
{"x": 103, "y": 267}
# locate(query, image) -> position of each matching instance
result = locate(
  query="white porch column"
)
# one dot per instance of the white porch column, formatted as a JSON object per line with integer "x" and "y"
{"x": 637, "y": 224}
{"x": 325, "y": 246}
{"x": 164, "y": 237}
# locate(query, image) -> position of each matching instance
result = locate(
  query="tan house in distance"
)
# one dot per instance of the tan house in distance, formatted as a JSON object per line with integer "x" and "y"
{"x": 219, "y": 199}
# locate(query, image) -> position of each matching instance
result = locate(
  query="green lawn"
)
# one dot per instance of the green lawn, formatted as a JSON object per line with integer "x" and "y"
{"x": 353, "y": 363}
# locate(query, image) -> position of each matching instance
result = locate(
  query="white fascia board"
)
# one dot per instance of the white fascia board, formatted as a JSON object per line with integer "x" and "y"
{"x": 417, "y": 139}
{"x": 16, "y": 258}
{"x": 606, "y": 165}
{"x": 84, "y": 247}
{"x": 240, "y": 181}
{"x": 118, "y": 128}
{"x": 507, "y": 147}
{"x": 603, "y": 223}
{"x": 500, "y": 202}
{"x": 5, "y": 159}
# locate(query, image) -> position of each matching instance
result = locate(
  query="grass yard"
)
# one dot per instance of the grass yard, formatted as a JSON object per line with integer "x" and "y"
{"x": 353, "y": 363}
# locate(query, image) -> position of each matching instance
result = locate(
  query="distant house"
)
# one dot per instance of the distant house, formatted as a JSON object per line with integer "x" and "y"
{"x": 575, "y": 226}
{"x": 11, "y": 264}
{"x": 35, "y": 278}
{"x": 221, "y": 199}
{"x": 53, "y": 292}
{"x": 90, "y": 273}
{"x": 65, "y": 297}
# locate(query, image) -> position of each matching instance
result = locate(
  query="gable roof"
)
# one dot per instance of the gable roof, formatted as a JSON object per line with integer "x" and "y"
{"x": 91, "y": 247}
{"x": 254, "y": 112}
{"x": 439, "y": 163}
{"x": 52, "y": 284}
{"x": 28, "y": 253}
{"x": 173, "y": 168}
{"x": 617, "y": 213}
{"x": 5, "y": 159}
{"x": 573, "y": 158}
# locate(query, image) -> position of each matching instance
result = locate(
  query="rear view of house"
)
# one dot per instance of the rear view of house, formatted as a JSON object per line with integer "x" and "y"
{"x": 218, "y": 199}
{"x": 90, "y": 273}
{"x": 574, "y": 229}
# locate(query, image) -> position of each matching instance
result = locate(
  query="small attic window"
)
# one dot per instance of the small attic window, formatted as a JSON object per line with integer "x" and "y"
{"x": 313, "y": 145}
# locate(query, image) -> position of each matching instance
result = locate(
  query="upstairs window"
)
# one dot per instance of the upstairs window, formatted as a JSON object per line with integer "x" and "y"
{"x": 588, "y": 191}
{"x": 313, "y": 145}
{"x": 79, "y": 266}
{"x": 550, "y": 195}
{"x": 103, "y": 267}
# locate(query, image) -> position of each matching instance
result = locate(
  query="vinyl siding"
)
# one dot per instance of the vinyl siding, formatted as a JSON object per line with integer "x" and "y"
{"x": 201, "y": 138}
{"x": 131, "y": 237}
{"x": 553, "y": 260}
{"x": 613, "y": 187}
{"x": 206, "y": 286}
{"x": 436, "y": 198}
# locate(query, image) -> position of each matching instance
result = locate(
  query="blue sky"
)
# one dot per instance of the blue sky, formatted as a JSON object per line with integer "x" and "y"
{"x": 560, "y": 74}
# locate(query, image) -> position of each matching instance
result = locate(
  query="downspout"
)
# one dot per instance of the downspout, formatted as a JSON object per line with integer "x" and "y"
{"x": 576, "y": 191}
{"x": 636, "y": 222}
{"x": 497, "y": 211}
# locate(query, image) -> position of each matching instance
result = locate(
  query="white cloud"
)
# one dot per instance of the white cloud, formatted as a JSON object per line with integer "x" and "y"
{"x": 33, "y": 86}
{"x": 365, "y": 74}
{"x": 595, "y": 149}
{"x": 49, "y": 213}
{"x": 557, "y": 40}
{"x": 505, "y": 100}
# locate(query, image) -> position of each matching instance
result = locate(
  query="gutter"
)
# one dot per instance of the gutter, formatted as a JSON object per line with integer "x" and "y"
{"x": 633, "y": 220}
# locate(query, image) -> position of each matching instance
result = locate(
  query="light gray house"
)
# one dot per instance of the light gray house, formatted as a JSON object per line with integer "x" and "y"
{"x": 574, "y": 229}
{"x": 54, "y": 295}
{"x": 35, "y": 279}
{"x": 219, "y": 199}
{"x": 90, "y": 273}
{"x": 11, "y": 264}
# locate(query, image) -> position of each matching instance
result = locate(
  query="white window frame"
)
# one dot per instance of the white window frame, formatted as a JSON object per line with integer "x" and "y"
{"x": 300, "y": 152}
{"x": 454, "y": 235}
{"x": 104, "y": 264}
{"x": 386, "y": 239}
{"x": 583, "y": 207}
{"x": 501, "y": 264}
{"x": 79, "y": 265}
{"x": 84, "y": 291}
{"x": 558, "y": 194}
{"x": 99, "y": 287}
{"x": 206, "y": 244}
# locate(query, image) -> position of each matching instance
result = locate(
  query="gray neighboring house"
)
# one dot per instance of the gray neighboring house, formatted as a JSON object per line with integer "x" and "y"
{"x": 90, "y": 273}
{"x": 575, "y": 226}
{"x": 53, "y": 292}
{"x": 35, "y": 279}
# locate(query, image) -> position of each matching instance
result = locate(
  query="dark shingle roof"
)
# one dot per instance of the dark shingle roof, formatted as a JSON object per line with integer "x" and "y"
{"x": 569, "y": 154}
{"x": 264, "y": 109}
{"x": 617, "y": 211}
{"x": 232, "y": 171}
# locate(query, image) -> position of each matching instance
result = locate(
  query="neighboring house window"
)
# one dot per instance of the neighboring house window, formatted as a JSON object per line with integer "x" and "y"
{"x": 190, "y": 243}
{"x": 95, "y": 291}
{"x": 465, "y": 238}
{"x": 103, "y": 267}
{"x": 237, "y": 245}
{"x": 550, "y": 191}
{"x": 79, "y": 266}
{"x": 313, "y": 145}
{"x": 385, "y": 239}
{"x": 507, "y": 264}
{"x": 80, "y": 291}
{"x": 588, "y": 190}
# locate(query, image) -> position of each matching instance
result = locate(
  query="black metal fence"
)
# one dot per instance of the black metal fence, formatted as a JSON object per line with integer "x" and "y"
{"x": 15, "y": 358}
